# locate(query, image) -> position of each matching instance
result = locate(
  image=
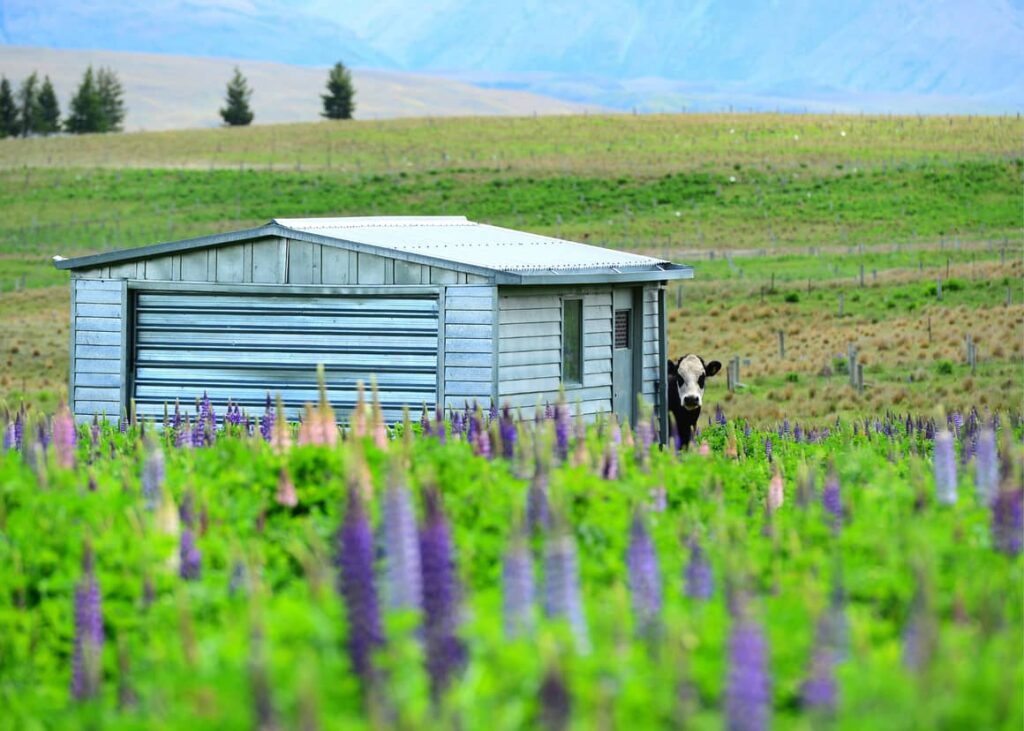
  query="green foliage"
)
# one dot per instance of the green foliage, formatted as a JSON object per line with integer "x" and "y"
{"x": 339, "y": 101}
{"x": 49, "y": 109}
{"x": 944, "y": 368}
{"x": 185, "y": 649}
{"x": 29, "y": 111}
{"x": 85, "y": 112}
{"x": 792, "y": 297}
{"x": 236, "y": 112}
{"x": 8, "y": 110}
{"x": 111, "y": 98}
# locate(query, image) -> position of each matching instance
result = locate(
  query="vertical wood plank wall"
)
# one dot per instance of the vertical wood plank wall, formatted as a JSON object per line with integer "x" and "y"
{"x": 653, "y": 360}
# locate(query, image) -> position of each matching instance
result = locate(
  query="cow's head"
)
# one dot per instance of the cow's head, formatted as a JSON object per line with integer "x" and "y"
{"x": 690, "y": 372}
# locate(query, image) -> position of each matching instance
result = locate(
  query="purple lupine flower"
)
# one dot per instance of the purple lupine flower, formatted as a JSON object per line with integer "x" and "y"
{"x": 929, "y": 430}
{"x": 798, "y": 433}
{"x": 122, "y": 425}
{"x": 748, "y": 693}
{"x": 402, "y": 570}
{"x": 720, "y": 415}
{"x": 176, "y": 422}
{"x": 445, "y": 651}
{"x": 43, "y": 437}
{"x": 508, "y": 433}
{"x": 644, "y": 437}
{"x": 190, "y": 557}
{"x": 357, "y": 587}
{"x": 549, "y": 412}
{"x": 562, "y": 586}
{"x": 784, "y": 430}
{"x": 768, "y": 448}
{"x": 86, "y": 667}
{"x": 700, "y": 581}
{"x": 442, "y": 428}
{"x": 944, "y": 460}
{"x": 555, "y": 702}
{"x": 831, "y": 498}
{"x": 1008, "y": 520}
{"x": 457, "y": 422}
{"x": 644, "y": 579}
{"x": 492, "y": 414}
{"x": 94, "y": 432}
{"x": 186, "y": 511}
{"x": 199, "y": 432}
{"x": 986, "y": 467}
{"x": 19, "y": 431}
{"x": 563, "y": 427}
{"x": 472, "y": 426}
{"x": 518, "y": 589}
{"x": 482, "y": 443}
{"x": 426, "y": 428}
{"x": 538, "y": 516}
{"x": 10, "y": 439}
{"x": 746, "y": 429}
{"x": 183, "y": 435}
{"x": 956, "y": 419}
{"x": 267, "y": 420}
{"x": 819, "y": 691}
{"x": 152, "y": 475}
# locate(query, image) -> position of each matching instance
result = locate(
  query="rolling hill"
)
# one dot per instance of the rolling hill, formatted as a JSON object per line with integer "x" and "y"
{"x": 173, "y": 92}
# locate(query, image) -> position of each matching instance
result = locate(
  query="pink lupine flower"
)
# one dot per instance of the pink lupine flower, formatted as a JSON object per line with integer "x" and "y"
{"x": 776, "y": 496}
{"x": 64, "y": 437}
{"x": 286, "y": 494}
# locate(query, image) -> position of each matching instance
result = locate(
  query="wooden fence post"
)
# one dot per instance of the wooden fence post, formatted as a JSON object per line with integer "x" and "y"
{"x": 782, "y": 344}
{"x": 842, "y": 303}
{"x": 938, "y": 288}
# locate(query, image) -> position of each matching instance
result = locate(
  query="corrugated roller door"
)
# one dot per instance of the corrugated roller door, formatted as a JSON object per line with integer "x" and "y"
{"x": 242, "y": 346}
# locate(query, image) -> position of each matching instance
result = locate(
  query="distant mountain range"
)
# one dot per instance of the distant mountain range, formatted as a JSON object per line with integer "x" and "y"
{"x": 897, "y": 55}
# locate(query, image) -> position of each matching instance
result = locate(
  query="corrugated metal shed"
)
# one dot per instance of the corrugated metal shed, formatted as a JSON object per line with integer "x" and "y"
{"x": 439, "y": 310}
{"x": 501, "y": 255}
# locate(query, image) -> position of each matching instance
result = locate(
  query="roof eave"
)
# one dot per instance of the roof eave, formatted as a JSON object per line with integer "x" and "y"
{"x": 662, "y": 274}
{"x": 170, "y": 247}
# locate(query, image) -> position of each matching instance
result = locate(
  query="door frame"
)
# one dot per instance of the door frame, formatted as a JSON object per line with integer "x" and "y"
{"x": 636, "y": 344}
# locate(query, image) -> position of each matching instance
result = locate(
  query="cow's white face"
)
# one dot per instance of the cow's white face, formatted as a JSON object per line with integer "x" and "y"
{"x": 691, "y": 371}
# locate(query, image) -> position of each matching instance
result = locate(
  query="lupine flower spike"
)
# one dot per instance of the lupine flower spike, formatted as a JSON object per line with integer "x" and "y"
{"x": 562, "y": 598}
{"x": 281, "y": 437}
{"x": 402, "y": 566}
{"x": 357, "y": 587}
{"x": 286, "y": 495}
{"x": 518, "y": 588}
{"x": 644, "y": 580}
{"x": 86, "y": 660}
{"x": 445, "y": 651}
{"x": 986, "y": 467}
{"x": 945, "y": 468}
{"x": 64, "y": 437}
{"x": 748, "y": 691}
{"x": 699, "y": 577}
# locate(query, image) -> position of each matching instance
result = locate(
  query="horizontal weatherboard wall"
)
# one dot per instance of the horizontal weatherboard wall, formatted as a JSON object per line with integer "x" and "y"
{"x": 97, "y": 348}
{"x": 530, "y": 349}
{"x": 469, "y": 345}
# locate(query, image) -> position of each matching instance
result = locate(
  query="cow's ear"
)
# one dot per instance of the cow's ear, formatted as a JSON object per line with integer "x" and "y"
{"x": 671, "y": 367}
{"x": 712, "y": 368}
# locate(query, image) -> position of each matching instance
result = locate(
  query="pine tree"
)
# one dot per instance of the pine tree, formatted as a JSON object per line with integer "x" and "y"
{"x": 237, "y": 112}
{"x": 339, "y": 101}
{"x": 8, "y": 110}
{"x": 111, "y": 96}
{"x": 28, "y": 105}
{"x": 85, "y": 113}
{"x": 49, "y": 109}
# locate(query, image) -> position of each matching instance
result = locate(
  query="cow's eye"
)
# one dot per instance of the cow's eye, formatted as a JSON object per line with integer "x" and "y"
{"x": 700, "y": 381}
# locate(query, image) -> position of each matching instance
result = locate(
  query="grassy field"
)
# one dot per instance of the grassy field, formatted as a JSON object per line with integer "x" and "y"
{"x": 777, "y": 213}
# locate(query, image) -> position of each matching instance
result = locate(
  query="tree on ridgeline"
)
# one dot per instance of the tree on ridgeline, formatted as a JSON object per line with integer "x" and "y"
{"x": 8, "y": 110}
{"x": 339, "y": 101}
{"x": 49, "y": 109}
{"x": 28, "y": 105}
{"x": 85, "y": 111}
{"x": 111, "y": 95}
{"x": 237, "y": 113}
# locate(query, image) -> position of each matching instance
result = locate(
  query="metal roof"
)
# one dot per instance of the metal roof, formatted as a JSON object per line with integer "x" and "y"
{"x": 504, "y": 255}
{"x": 455, "y": 238}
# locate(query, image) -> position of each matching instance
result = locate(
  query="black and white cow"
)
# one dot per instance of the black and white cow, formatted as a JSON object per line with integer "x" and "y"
{"x": 686, "y": 392}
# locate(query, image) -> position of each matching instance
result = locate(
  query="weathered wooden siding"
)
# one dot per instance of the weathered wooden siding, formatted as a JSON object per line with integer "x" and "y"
{"x": 281, "y": 261}
{"x": 530, "y": 349}
{"x": 652, "y": 364}
{"x": 469, "y": 345}
{"x": 97, "y": 353}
